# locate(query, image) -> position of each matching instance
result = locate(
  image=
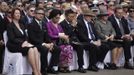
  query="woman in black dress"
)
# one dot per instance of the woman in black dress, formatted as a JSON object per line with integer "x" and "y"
{"x": 17, "y": 41}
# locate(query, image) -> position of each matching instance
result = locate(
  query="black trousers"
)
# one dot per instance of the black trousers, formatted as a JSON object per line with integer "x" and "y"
{"x": 43, "y": 57}
{"x": 79, "y": 49}
{"x": 96, "y": 53}
{"x": 2, "y": 49}
{"x": 127, "y": 50}
{"x": 54, "y": 59}
{"x": 126, "y": 46}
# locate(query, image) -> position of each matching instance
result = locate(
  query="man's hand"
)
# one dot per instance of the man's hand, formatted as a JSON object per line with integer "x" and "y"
{"x": 97, "y": 43}
{"x": 1, "y": 42}
{"x": 48, "y": 45}
{"x": 107, "y": 38}
{"x": 111, "y": 37}
{"x": 127, "y": 37}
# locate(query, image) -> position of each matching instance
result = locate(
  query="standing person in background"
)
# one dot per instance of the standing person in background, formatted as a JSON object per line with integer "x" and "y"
{"x": 125, "y": 7}
{"x": 111, "y": 6}
{"x": 3, "y": 10}
{"x": 131, "y": 21}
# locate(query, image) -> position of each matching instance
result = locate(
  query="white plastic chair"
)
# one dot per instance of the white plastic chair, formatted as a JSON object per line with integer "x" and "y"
{"x": 15, "y": 63}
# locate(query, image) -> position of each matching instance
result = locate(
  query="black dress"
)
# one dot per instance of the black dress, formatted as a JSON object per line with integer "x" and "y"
{"x": 15, "y": 39}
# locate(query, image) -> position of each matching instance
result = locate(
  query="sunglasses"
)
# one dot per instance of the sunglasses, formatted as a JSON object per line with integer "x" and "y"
{"x": 131, "y": 10}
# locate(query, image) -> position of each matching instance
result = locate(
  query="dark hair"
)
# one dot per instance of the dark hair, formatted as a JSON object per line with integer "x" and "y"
{"x": 69, "y": 11}
{"x": 131, "y": 7}
{"x": 12, "y": 13}
{"x": 117, "y": 7}
{"x": 2, "y": 2}
{"x": 54, "y": 13}
{"x": 30, "y": 6}
{"x": 37, "y": 9}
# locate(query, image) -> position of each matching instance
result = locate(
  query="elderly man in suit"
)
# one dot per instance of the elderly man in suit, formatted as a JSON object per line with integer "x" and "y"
{"x": 39, "y": 37}
{"x": 120, "y": 25}
{"x": 87, "y": 35}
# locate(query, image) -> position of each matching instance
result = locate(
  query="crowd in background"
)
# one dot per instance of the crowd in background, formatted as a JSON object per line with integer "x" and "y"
{"x": 36, "y": 27}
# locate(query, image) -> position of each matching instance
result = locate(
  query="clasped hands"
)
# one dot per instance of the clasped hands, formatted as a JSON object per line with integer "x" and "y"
{"x": 48, "y": 45}
{"x": 111, "y": 37}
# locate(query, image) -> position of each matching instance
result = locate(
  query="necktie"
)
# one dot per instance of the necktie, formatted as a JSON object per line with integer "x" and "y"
{"x": 121, "y": 27}
{"x": 91, "y": 31}
{"x": 40, "y": 24}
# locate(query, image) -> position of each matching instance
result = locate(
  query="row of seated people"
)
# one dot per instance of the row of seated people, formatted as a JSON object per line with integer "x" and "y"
{"x": 71, "y": 34}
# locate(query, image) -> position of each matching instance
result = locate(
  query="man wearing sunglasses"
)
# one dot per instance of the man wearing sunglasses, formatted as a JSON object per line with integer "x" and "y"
{"x": 27, "y": 19}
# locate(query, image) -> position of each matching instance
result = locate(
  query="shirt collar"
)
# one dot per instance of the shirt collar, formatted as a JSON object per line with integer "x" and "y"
{"x": 37, "y": 21}
{"x": 2, "y": 14}
{"x": 130, "y": 19}
{"x": 116, "y": 17}
{"x": 85, "y": 21}
{"x": 67, "y": 21}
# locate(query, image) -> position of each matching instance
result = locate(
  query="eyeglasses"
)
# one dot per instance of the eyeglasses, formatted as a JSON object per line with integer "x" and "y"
{"x": 131, "y": 10}
{"x": 40, "y": 13}
{"x": 19, "y": 5}
{"x": 32, "y": 10}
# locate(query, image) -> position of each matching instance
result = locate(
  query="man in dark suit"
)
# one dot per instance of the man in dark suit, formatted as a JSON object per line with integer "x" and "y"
{"x": 70, "y": 29}
{"x": 120, "y": 25}
{"x": 87, "y": 34}
{"x": 39, "y": 37}
{"x": 3, "y": 9}
{"x": 27, "y": 19}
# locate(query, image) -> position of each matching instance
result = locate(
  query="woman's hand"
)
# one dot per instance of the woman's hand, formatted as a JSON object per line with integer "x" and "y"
{"x": 26, "y": 44}
{"x": 61, "y": 35}
{"x": 111, "y": 37}
{"x": 107, "y": 38}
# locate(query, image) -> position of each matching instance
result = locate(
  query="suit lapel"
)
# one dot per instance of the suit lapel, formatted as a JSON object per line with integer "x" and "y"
{"x": 84, "y": 27}
{"x": 36, "y": 25}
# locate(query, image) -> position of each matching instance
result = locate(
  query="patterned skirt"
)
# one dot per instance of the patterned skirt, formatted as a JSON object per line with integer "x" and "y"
{"x": 66, "y": 55}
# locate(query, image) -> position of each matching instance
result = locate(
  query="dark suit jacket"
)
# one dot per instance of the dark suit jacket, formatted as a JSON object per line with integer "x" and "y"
{"x": 2, "y": 27}
{"x": 116, "y": 27}
{"x": 15, "y": 37}
{"x": 37, "y": 36}
{"x": 70, "y": 30}
{"x": 83, "y": 32}
{"x": 25, "y": 21}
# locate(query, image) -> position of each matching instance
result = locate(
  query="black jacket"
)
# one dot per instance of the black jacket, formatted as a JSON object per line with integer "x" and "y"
{"x": 37, "y": 36}
{"x": 116, "y": 26}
